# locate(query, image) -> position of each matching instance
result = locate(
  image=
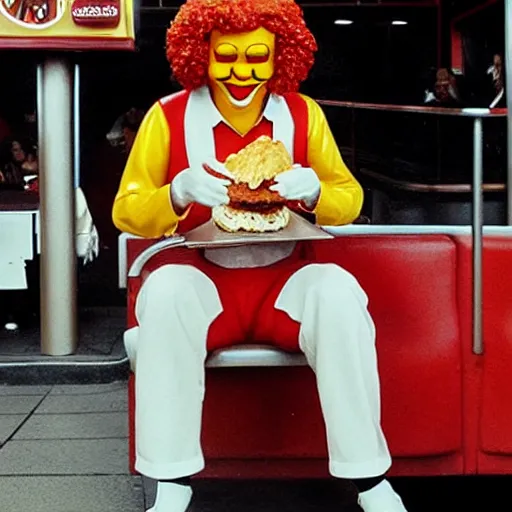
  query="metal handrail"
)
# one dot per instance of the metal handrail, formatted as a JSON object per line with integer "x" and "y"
{"x": 77, "y": 140}
{"x": 141, "y": 260}
{"x": 416, "y": 109}
{"x": 454, "y": 188}
{"x": 414, "y": 229}
{"x": 478, "y": 221}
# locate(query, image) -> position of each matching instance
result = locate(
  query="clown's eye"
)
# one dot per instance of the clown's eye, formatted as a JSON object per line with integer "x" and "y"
{"x": 257, "y": 53}
{"x": 253, "y": 59}
{"x": 226, "y": 53}
{"x": 225, "y": 58}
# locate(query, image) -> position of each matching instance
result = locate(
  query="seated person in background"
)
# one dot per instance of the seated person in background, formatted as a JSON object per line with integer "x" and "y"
{"x": 495, "y": 140}
{"x": 125, "y": 129}
{"x": 497, "y": 93}
{"x": 18, "y": 162}
{"x": 445, "y": 93}
{"x": 241, "y": 64}
{"x": 131, "y": 122}
{"x": 10, "y": 166}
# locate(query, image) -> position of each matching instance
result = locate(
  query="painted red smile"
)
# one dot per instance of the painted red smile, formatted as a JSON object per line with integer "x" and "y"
{"x": 239, "y": 92}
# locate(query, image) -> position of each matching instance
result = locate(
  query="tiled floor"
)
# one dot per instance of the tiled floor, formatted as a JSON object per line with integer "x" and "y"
{"x": 64, "y": 449}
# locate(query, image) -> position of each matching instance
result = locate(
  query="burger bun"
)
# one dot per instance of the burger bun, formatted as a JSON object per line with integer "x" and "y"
{"x": 234, "y": 220}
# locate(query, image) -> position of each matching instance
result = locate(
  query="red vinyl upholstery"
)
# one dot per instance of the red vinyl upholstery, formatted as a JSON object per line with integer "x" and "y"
{"x": 411, "y": 283}
{"x": 496, "y": 421}
{"x": 470, "y": 362}
{"x": 266, "y": 422}
{"x": 492, "y": 382}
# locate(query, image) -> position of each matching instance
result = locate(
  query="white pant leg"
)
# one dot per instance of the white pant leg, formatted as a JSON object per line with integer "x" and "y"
{"x": 175, "y": 307}
{"x": 337, "y": 336}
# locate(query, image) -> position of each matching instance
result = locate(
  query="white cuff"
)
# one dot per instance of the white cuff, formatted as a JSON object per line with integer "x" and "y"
{"x": 371, "y": 468}
{"x": 169, "y": 471}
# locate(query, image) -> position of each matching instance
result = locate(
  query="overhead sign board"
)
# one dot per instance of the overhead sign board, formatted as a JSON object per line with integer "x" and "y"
{"x": 67, "y": 24}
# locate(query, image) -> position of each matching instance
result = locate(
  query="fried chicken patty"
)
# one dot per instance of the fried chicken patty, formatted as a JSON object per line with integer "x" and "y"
{"x": 241, "y": 196}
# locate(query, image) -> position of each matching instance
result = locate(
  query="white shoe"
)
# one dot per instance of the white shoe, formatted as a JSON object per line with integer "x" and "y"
{"x": 382, "y": 498}
{"x": 172, "y": 497}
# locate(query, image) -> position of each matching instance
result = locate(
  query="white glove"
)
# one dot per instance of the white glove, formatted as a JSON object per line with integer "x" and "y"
{"x": 298, "y": 184}
{"x": 86, "y": 235}
{"x": 88, "y": 245}
{"x": 195, "y": 185}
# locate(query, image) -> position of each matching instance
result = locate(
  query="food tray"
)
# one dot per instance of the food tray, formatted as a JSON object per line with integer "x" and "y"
{"x": 210, "y": 236}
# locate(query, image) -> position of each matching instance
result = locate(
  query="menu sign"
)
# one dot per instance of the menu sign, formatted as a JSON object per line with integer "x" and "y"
{"x": 67, "y": 24}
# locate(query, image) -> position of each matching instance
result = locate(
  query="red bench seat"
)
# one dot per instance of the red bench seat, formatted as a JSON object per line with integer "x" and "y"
{"x": 266, "y": 422}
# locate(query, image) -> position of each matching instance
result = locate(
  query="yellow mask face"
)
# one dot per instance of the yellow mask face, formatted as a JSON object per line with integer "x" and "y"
{"x": 241, "y": 64}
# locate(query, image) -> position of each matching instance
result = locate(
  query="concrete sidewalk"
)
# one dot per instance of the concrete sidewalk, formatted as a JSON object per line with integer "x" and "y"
{"x": 64, "y": 449}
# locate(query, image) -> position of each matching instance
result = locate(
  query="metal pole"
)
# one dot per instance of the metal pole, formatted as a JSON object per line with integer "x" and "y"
{"x": 478, "y": 347}
{"x": 508, "y": 93}
{"x": 57, "y": 212}
{"x": 76, "y": 125}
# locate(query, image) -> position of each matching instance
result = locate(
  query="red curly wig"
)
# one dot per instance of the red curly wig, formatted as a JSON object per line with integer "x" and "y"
{"x": 188, "y": 38}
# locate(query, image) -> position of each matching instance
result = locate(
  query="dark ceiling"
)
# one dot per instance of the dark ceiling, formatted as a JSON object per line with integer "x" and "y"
{"x": 450, "y": 8}
{"x": 174, "y": 4}
{"x": 457, "y": 7}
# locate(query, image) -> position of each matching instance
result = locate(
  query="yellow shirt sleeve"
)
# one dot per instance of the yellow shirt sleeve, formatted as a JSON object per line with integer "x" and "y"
{"x": 143, "y": 205}
{"x": 341, "y": 196}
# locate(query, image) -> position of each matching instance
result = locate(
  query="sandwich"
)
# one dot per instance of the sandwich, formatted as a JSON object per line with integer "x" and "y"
{"x": 253, "y": 207}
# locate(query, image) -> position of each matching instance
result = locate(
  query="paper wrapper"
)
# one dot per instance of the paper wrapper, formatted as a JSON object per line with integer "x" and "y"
{"x": 209, "y": 236}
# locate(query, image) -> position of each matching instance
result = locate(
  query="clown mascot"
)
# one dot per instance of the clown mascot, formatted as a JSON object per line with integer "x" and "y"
{"x": 240, "y": 63}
